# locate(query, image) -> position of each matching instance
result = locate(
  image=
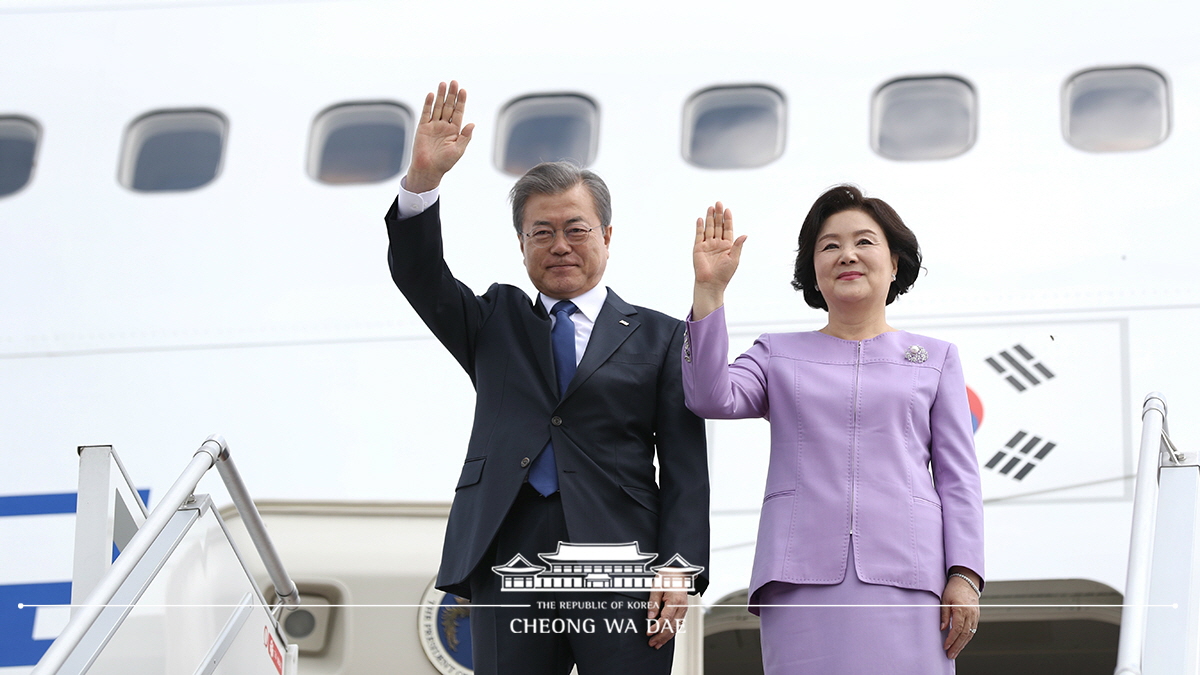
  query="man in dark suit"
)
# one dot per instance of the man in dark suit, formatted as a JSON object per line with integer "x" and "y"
{"x": 575, "y": 401}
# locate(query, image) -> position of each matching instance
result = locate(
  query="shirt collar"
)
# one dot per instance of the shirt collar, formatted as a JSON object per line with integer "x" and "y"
{"x": 589, "y": 304}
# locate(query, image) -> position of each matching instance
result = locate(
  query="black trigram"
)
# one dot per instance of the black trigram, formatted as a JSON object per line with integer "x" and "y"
{"x": 1020, "y": 375}
{"x": 1019, "y": 449}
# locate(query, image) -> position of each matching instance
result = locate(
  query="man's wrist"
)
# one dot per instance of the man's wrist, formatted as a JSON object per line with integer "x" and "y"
{"x": 411, "y": 203}
{"x": 422, "y": 181}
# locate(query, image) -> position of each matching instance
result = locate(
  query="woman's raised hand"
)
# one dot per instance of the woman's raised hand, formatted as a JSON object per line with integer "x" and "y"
{"x": 715, "y": 257}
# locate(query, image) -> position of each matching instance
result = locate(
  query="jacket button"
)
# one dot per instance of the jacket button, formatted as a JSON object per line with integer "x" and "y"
{"x": 524, "y": 462}
{"x": 556, "y": 421}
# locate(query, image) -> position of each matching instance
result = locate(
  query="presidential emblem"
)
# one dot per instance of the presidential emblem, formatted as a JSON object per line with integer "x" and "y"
{"x": 444, "y": 627}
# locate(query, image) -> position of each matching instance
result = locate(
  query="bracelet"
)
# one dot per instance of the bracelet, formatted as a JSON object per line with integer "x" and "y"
{"x": 970, "y": 583}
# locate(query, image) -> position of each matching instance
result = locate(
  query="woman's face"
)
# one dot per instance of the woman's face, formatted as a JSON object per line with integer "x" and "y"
{"x": 853, "y": 262}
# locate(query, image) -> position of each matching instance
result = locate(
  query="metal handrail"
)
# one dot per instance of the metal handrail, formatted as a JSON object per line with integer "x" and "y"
{"x": 285, "y": 589}
{"x": 214, "y": 450}
{"x": 1141, "y": 544}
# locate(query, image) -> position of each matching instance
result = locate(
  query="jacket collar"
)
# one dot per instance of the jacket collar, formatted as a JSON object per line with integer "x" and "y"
{"x": 616, "y": 321}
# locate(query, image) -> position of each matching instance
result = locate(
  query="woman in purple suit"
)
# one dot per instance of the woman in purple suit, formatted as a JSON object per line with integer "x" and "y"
{"x": 870, "y": 541}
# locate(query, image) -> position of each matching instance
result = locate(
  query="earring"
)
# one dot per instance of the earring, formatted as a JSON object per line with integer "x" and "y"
{"x": 893, "y": 277}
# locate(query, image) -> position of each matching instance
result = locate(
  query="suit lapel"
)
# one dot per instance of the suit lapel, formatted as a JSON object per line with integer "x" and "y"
{"x": 537, "y": 332}
{"x": 616, "y": 322}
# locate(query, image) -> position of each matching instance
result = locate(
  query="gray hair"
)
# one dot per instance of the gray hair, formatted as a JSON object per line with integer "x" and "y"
{"x": 552, "y": 178}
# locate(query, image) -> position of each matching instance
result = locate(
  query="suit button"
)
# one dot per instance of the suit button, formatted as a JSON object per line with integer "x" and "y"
{"x": 556, "y": 421}
{"x": 524, "y": 462}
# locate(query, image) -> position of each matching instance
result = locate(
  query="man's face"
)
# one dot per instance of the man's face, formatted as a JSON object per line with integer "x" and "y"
{"x": 563, "y": 270}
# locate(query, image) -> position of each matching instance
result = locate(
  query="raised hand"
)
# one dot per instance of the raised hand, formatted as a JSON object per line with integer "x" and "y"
{"x": 441, "y": 139}
{"x": 715, "y": 257}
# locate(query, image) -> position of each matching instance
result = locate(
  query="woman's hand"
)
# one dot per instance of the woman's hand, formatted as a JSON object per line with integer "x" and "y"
{"x": 960, "y": 611}
{"x": 715, "y": 257}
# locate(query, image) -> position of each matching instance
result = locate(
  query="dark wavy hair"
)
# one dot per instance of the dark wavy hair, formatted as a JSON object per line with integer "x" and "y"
{"x": 900, "y": 239}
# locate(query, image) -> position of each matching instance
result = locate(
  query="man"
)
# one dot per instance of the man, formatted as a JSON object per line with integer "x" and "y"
{"x": 574, "y": 402}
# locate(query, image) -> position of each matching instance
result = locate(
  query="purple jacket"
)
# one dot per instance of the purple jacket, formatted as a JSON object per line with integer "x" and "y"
{"x": 856, "y": 430}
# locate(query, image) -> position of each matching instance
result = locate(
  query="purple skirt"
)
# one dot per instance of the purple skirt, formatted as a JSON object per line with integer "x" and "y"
{"x": 890, "y": 640}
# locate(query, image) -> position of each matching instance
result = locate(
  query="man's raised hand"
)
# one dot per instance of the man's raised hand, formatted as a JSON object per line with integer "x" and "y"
{"x": 441, "y": 139}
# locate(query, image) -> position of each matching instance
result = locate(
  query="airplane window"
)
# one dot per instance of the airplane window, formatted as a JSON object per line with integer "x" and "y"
{"x": 173, "y": 150}
{"x": 18, "y": 148}
{"x": 916, "y": 118}
{"x": 359, "y": 143}
{"x": 734, "y": 127}
{"x": 547, "y": 128}
{"x": 1115, "y": 109}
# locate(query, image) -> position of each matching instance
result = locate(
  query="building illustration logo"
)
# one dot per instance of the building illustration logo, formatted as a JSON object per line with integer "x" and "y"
{"x": 597, "y": 567}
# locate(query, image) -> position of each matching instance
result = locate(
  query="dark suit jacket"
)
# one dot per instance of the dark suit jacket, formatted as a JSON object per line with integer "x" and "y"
{"x": 624, "y": 405}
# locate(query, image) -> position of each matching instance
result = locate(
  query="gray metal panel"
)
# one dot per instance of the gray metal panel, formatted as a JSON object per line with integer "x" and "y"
{"x": 1171, "y": 646}
{"x": 127, "y": 595}
{"x": 228, "y": 633}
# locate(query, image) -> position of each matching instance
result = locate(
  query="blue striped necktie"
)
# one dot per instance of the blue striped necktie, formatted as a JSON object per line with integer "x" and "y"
{"x": 543, "y": 474}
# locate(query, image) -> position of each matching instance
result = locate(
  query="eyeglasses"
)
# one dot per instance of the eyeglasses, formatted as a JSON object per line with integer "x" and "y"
{"x": 543, "y": 236}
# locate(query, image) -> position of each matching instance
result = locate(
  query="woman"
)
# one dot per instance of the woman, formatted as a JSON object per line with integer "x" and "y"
{"x": 857, "y": 546}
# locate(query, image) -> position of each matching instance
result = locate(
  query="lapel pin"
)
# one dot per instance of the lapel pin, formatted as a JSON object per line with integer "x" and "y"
{"x": 623, "y": 322}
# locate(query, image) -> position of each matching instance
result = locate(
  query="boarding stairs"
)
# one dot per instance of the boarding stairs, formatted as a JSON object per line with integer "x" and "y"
{"x": 177, "y": 598}
{"x": 1160, "y": 620}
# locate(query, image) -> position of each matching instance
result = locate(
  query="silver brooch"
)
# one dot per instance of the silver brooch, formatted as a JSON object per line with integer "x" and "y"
{"x": 916, "y": 354}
